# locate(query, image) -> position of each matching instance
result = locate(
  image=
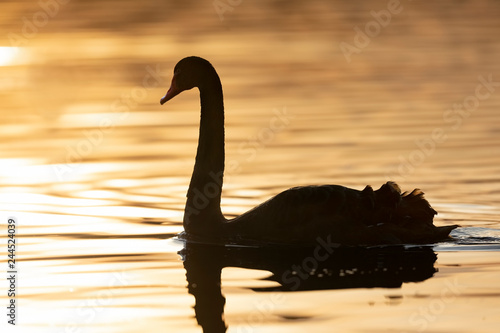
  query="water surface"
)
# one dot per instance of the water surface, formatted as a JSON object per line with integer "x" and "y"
{"x": 95, "y": 171}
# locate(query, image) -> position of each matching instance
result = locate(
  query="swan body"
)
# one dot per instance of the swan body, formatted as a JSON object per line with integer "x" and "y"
{"x": 297, "y": 216}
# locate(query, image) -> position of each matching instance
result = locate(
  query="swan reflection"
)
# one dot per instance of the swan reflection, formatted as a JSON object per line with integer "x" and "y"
{"x": 322, "y": 267}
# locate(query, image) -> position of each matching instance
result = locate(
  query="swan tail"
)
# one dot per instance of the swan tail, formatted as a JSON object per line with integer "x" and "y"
{"x": 408, "y": 215}
{"x": 415, "y": 207}
{"x": 390, "y": 205}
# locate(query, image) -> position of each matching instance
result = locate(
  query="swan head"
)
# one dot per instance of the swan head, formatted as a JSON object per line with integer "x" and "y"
{"x": 190, "y": 72}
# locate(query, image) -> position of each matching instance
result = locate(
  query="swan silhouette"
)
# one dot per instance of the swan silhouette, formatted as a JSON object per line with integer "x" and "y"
{"x": 299, "y": 215}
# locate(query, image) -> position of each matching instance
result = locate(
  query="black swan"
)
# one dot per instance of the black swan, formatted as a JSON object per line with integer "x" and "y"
{"x": 300, "y": 215}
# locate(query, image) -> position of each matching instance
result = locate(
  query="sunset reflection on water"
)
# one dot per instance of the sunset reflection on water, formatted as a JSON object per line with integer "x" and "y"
{"x": 96, "y": 171}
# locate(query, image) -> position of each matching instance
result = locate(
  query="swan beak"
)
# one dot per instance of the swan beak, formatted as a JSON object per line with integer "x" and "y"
{"x": 171, "y": 93}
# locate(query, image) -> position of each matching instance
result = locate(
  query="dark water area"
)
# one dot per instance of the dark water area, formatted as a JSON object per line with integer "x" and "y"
{"x": 95, "y": 172}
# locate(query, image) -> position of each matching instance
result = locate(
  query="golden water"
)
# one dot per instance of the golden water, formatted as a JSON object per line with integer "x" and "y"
{"x": 95, "y": 171}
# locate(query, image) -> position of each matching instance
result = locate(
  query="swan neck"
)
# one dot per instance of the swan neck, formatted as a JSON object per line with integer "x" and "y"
{"x": 203, "y": 211}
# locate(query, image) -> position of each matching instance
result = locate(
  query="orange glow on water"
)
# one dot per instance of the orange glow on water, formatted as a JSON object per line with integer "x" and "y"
{"x": 96, "y": 171}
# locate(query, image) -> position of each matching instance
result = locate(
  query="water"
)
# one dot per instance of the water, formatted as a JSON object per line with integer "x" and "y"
{"x": 95, "y": 171}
